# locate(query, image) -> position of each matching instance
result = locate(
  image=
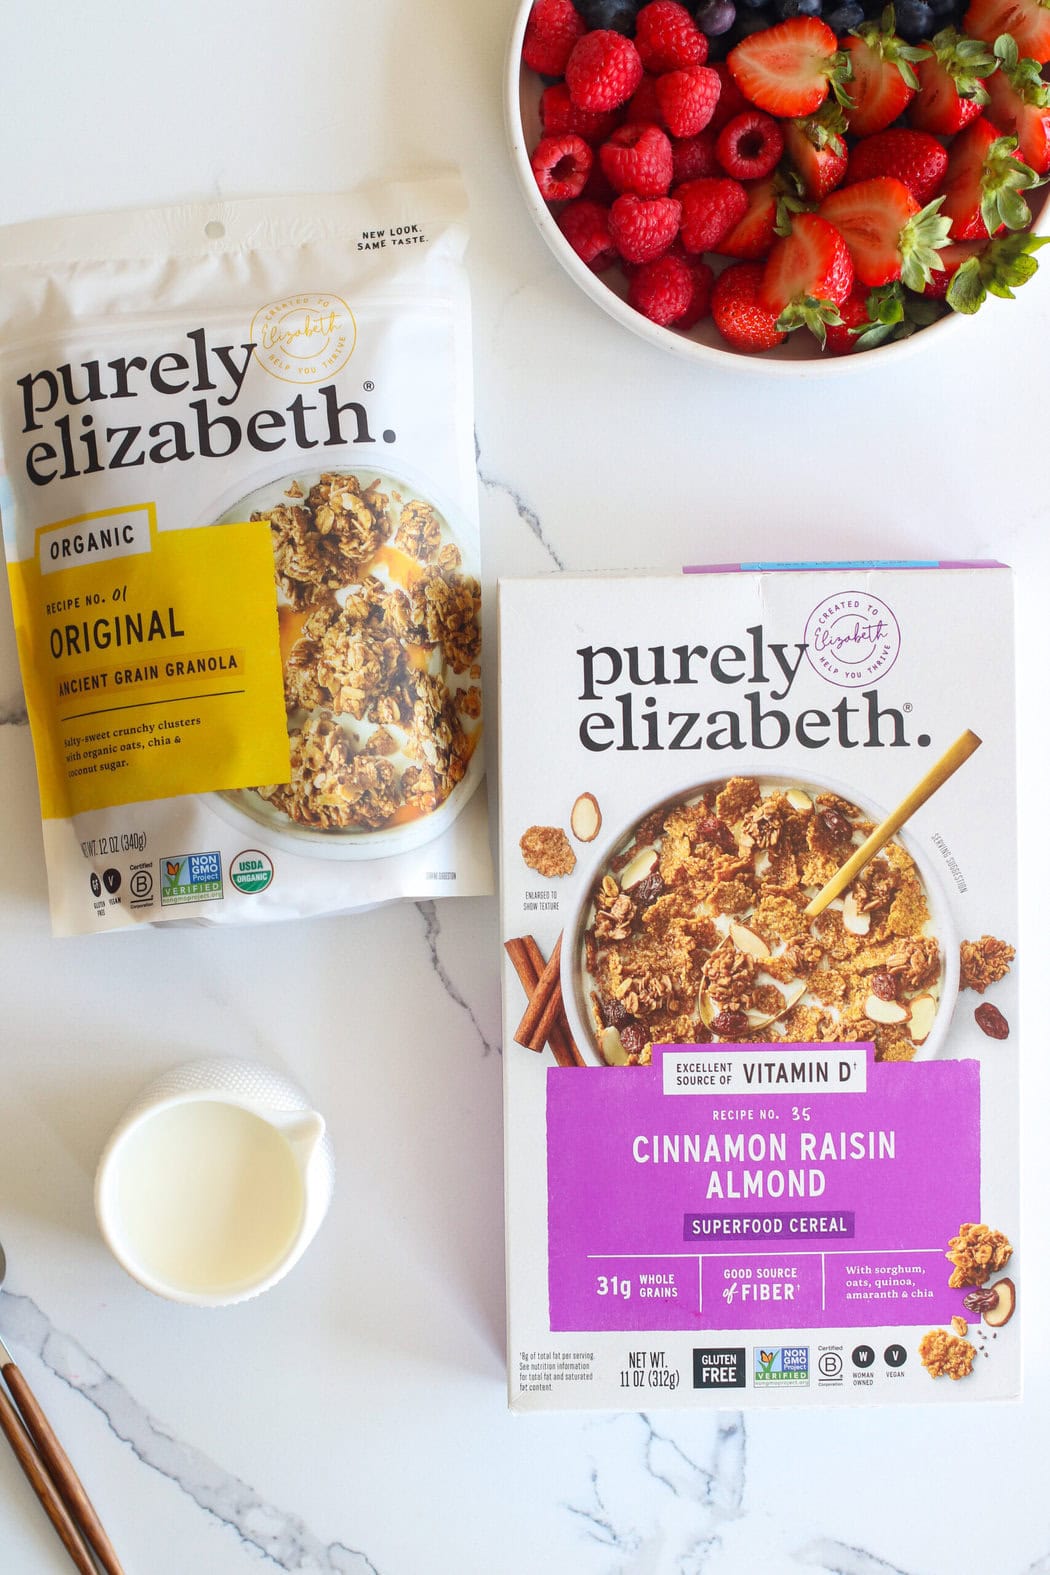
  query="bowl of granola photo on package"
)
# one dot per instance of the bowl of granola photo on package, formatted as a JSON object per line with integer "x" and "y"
{"x": 379, "y": 612}
{"x": 690, "y": 927}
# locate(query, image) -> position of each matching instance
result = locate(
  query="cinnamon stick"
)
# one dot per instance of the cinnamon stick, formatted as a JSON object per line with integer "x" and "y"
{"x": 528, "y": 963}
{"x": 539, "y": 1010}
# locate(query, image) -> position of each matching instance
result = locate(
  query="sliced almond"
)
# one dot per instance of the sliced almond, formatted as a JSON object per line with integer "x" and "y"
{"x": 856, "y": 922}
{"x": 611, "y": 1047}
{"x": 799, "y": 800}
{"x": 639, "y": 867}
{"x": 923, "y": 1012}
{"x": 1003, "y": 1310}
{"x": 881, "y": 1011}
{"x": 708, "y": 1009}
{"x": 746, "y": 940}
{"x": 586, "y": 818}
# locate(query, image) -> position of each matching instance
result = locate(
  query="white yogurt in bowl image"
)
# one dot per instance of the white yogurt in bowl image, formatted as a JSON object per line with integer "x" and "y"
{"x": 379, "y": 611}
{"x": 690, "y": 928}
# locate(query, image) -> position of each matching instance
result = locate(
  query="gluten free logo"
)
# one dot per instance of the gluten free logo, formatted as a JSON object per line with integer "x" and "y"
{"x": 852, "y": 639}
{"x": 304, "y": 338}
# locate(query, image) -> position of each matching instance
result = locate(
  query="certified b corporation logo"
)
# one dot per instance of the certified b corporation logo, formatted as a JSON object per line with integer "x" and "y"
{"x": 304, "y": 338}
{"x": 852, "y": 639}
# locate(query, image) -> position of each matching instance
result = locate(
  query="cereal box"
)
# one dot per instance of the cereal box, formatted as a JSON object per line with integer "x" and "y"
{"x": 758, "y": 881}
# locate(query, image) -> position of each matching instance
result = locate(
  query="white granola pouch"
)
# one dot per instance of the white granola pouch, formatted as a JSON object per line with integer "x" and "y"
{"x": 240, "y": 516}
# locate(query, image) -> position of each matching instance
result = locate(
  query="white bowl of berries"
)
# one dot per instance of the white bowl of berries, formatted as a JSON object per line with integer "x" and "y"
{"x": 748, "y": 179}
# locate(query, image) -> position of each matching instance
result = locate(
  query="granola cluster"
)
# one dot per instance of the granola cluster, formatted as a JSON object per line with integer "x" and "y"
{"x": 977, "y": 1253}
{"x": 546, "y": 850}
{"x": 946, "y": 1355}
{"x": 983, "y": 962}
{"x": 697, "y": 930}
{"x": 382, "y": 716}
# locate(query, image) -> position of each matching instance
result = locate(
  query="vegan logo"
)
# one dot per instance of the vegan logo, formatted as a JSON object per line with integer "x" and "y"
{"x": 852, "y": 639}
{"x": 782, "y": 1364}
{"x": 304, "y": 338}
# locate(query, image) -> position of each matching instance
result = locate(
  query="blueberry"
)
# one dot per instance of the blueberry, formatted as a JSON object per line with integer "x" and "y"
{"x": 846, "y": 17}
{"x": 785, "y": 9}
{"x": 914, "y": 20}
{"x": 715, "y": 17}
{"x": 617, "y": 15}
{"x": 748, "y": 22}
{"x": 943, "y": 8}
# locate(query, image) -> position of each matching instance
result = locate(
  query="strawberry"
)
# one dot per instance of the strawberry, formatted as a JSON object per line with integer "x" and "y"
{"x": 739, "y": 315}
{"x": 1027, "y": 21}
{"x": 787, "y": 70}
{"x": 884, "y": 80}
{"x": 750, "y": 145}
{"x": 841, "y": 338}
{"x": 1020, "y": 103}
{"x": 889, "y": 236}
{"x": 752, "y": 237}
{"x": 996, "y": 269}
{"x": 687, "y": 99}
{"x": 952, "y": 257}
{"x": 951, "y": 81}
{"x": 817, "y": 151}
{"x": 710, "y": 209}
{"x": 642, "y": 228}
{"x": 807, "y": 276}
{"x": 915, "y": 158}
{"x": 667, "y": 38}
{"x": 984, "y": 183}
{"x": 638, "y": 159}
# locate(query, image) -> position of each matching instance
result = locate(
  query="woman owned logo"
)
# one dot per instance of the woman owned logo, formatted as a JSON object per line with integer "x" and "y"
{"x": 304, "y": 338}
{"x": 852, "y": 638}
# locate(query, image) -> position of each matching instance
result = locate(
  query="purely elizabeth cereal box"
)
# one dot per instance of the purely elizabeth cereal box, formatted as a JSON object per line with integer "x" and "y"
{"x": 758, "y": 854}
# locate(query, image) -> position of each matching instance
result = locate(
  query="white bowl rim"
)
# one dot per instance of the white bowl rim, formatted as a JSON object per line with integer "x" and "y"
{"x": 941, "y": 916}
{"x": 767, "y": 363}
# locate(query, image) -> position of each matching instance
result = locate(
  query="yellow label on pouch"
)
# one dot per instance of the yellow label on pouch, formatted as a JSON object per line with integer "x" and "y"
{"x": 151, "y": 658}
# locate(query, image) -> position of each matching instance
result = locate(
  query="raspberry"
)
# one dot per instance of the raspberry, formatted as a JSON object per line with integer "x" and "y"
{"x": 687, "y": 99}
{"x": 662, "y": 290}
{"x": 750, "y": 145}
{"x": 739, "y": 316}
{"x": 692, "y": 157}
{"x": 711, "y": 207}
{"x": 644, "y": 108}
{"x": 638, "y": 159}
{"x": 558, "y": 113}
{"x": 643, "y": 227}
{"x": 667, "y": 37}
{"x": 585, "y": 225}
{"x": 561, "y": 166}
{"x": 550, "y": 33}
{"x": 730, "y": 100}
{"x": 703, "y": 278}
{"x": 603, "y": 70}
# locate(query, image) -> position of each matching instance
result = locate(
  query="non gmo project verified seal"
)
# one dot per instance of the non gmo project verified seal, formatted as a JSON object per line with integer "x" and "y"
{"x": 782, "y": 1364}
{"x": 190, "y": 877}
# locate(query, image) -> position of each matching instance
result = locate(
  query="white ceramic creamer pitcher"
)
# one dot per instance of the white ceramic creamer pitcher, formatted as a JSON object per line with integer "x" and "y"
{"x": 214, "y": 1182}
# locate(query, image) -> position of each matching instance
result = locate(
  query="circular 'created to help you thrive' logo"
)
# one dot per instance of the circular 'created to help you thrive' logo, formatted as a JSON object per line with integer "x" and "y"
{"x": 852, "y": 638}
{"x": 304, "y": 338}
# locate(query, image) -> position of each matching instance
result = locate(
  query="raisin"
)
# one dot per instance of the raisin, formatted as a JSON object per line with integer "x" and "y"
{"x": 982, "y": 1300}
{"x": 634, "y": 1038}
{"x": 728, "y": 1025}
{"x": 649, "y": 889}
{"x": 991, "y": 1021}
{"x": 615, "y": 1014}
{"x": 886, "y": 986}
{"x": 836, "y": 825}
{"x": 713, "y": 829}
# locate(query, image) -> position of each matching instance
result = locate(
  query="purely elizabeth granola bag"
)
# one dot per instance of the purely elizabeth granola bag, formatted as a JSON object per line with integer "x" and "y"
{"x": 240, "y": 515}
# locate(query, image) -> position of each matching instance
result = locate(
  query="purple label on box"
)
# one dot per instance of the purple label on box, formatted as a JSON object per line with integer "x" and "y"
{"x": 798, "y": 1209}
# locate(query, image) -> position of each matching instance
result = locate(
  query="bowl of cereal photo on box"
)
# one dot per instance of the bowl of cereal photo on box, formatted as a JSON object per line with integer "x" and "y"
{"x": 379, "y": 608}
{"x": 689, "y": 927}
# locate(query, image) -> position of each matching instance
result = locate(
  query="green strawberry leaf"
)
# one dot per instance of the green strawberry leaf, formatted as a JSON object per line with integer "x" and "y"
{"x": 920, "y": 241}
{"x": 809, "y": 312}
{"x": 1003, "y": 266}
{"x": 1003, "y": 178}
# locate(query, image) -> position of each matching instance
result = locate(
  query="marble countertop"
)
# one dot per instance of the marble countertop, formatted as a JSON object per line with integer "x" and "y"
{"x": 353, "y": 1419}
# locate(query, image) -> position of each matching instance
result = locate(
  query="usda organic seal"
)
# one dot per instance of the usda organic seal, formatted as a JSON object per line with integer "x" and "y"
{"x": 251, "y": 871}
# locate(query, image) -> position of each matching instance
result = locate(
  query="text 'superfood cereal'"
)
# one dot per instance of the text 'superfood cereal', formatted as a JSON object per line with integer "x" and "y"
{"x": 240, "y": 515}
{"x": 759, "y": 918}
